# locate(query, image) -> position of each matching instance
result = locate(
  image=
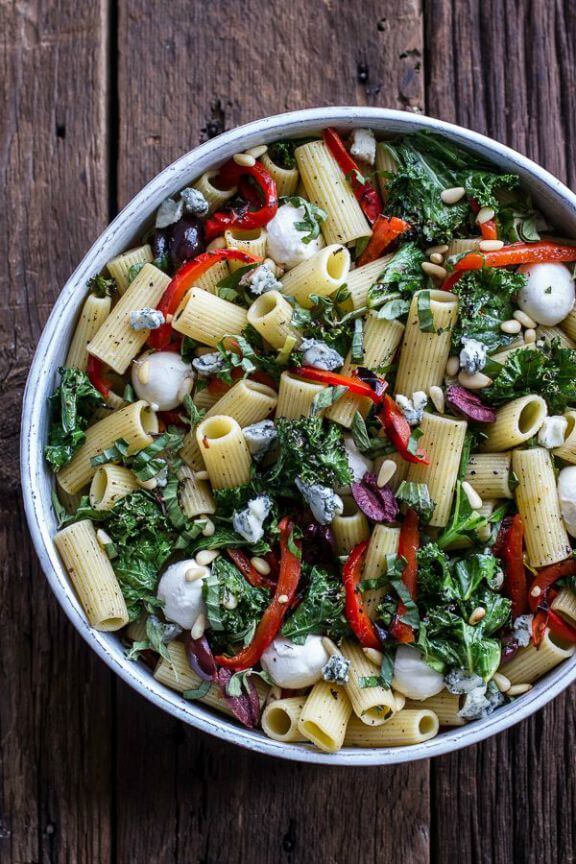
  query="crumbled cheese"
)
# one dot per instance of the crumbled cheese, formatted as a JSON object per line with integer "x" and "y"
{"x": 475, "y": 704}
{"x": 413, "y": 409}
{"x": 473, "y": 356}
{"x": 336, "y": 670}
{"x": 522, "y": 630}
{"x": 249, "y": 523}
{"x": 495, "y": 698}
{"x": 319, "y": 355}
{"x": 459, "y": 681}
{"x": 324, "y": 503}
{"x": 553, "y": 432}
{"x": 146, "y": 319}
{"x": 208, "y": 364}
{"x": 260, "y": 280}
{"x": 169, "y": 212}
{"x": 363, "y": 145}
{"x": 260, "y": 438}
{"x": 567, "y": 497}
{"x": 194, "y": 201}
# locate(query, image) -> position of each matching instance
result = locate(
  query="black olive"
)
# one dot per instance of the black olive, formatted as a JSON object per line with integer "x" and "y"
{"x": 159, "y": 242}
{"x": 186, "y": 240}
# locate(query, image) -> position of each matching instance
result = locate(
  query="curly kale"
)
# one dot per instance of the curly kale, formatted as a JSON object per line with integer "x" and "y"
{"x": 321, "y": 609}
{"x": 311, "y": 450}
{"x": 485, "y": 302}
{"x": 71, "y": 404}
{"x": 233, "y": 606}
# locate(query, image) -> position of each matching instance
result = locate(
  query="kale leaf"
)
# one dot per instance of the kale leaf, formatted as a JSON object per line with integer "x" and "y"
{"x": 233, "y": 606}
{"x": 401, "y": 278}
{"x": 485, "y": 302}
{"x": 464, "y": 521}
{"x": 72, "y": 404}
{"x": 311, "y": 450}
{"x": 320, "y": 610}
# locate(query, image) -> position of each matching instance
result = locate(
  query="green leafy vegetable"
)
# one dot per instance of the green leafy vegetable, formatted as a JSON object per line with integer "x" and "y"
{"x": 425, "y": 317}
{"x": 311, "y": 450}
{"x": 357, "y": 348}
{"x": 233, "y": 606}
{"x": 417, "y": 497}
{"x": 327, "y": 397}
{"x": 365, "y": 442}
{"x": 311, "y": 219}
{"x": 485, "y": 302}
{"x": 71, "y": 405}
{"x": 102, "y": 286}
{"x": 320, "y": 610}
{"x": 464, "y": 522}
{"x": 400, "y": 279}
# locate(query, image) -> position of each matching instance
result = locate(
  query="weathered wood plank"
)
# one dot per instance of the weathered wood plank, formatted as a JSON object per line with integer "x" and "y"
{"x": 233, "y": 62}
{"x": 55, "y": 705}
{"x": 506, "y": 69}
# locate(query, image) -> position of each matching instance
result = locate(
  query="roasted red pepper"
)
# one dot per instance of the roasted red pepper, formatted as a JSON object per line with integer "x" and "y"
{"x": 354, "y": 608}
{"x": 560, "y": 629}
{"x": 335, "y": 379}
{"x": 95, "y": 372}
{"x": 399, "y": 432}
{"x": 518, "y": 253}
{"x": 365, "y": 193}
{"x": 271, "y": 621}
{"x": 489, "y": 229}
{"x": 509, "y": 548}
{"x": 451, "y": 280}
{"x": 231, "y": 174}
{"x": 385, "y": 231}
{"x": 183, "y": 280}
{"x": 407, "y": 548}
{"x": 546, "y": 577}
{"x": 242, "y": 562}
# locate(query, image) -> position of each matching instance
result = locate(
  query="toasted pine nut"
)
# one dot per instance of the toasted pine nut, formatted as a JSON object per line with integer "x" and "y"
{"x": 330, "y": 647}
{"x": 452, "y": 366}
{"x": 283, "y": 599}
{"x": 258, "y": 151}
{"x": 230, "y": 601}
{"x": 201, "y": 475}
{"x": 437, "y": 258}
{"x": 373, "y": 656}
{"x": 269, "y": 264}
{"x": 474, "y": 382}
{"x": 143, "y": 372}
{"x": 260, "y": 565}
{"x": 154, "y": 406}
{"x": 536, "y": 591}
{"x": 453, "y": 194}
{"x": 386, "y": 472}
{"x": 519, "y": 689}
{"x": 169, "y": 318}
{"x": 244, "y": 159}
{"x": 198, "y": 627}
{"x": 512, "y": 326}
{"x": 437, "y": 396}
{"x": 502, "y": 682}
{"x": 194, "y": 573}
{"x": 209, "y": 527}
{"x": 485, "y": 214}
{"x": 477, "y": 615}
{"x": 217, "y": 243}
{"x": 441, "y": 250}
{"x": 525, "y": 320}
{"x": 103, "y": 538}
{"x": 206, "y": 556}
{"x": 473, "y": 497}
{"x": 490, "y": 245}
{"x": 434, "y": 270}
{"x": 529, "y": 336}
{"x": 150, "y": 484}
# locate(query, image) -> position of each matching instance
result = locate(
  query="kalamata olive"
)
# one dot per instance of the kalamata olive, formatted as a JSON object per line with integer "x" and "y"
{"x": 159, "y": 242}
{"x": 186, "y": 240}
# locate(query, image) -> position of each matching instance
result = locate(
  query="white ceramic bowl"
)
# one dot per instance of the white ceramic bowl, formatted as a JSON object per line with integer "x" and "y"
{"x": 558, "y": 202}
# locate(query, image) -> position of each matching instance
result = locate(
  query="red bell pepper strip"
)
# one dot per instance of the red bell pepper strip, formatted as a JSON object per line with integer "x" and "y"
{"x": 408, "y": 549}
{"x": 183, "y": 280}
{"x": 271, "y": 621}
{"x": 385, "y": 231}
{"x": 230, "y": 175}
{"x": 399, "y": 431}
{"x": 451, "y": 280}
{"x": 365, "y": 193}
{"x": 546, "y": 577}
{"x": 95, "y": 372}
{"x": 354, "y": 608}
{"x": 489, "y": 229}
{"x": 172, "y": 418}
{"x": 242, "y": 562}
{"x": 518, "y": 253}
{"x": 560, "y": 628}
{"x": 509, "y": 548}
{"x": 335, "y": 379}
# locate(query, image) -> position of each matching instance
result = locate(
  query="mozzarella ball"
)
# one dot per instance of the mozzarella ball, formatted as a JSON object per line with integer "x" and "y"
{"x": 412, "y": 675}
{"x": 183, "y": 601}
{"x": 285, "y": 242}
{"x": 548, "y": 295}
{"x": 168, "y": 379}
{"x": 567, "y": 497}
{"x": 294, "y": 666}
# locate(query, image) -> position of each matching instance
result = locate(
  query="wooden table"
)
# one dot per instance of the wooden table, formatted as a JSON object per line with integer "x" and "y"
{"x": 99, "y": 95}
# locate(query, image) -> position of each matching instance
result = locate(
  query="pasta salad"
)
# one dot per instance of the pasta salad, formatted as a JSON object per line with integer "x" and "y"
{"x": 315, "y": 441}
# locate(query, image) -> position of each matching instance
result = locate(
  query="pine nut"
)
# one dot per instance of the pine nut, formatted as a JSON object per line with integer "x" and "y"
{"x": 434, "y": 270}
{"x": 524, "y": 319}
{"x": 217, "y": 243}
{"x": 154, "y": 406}
{"x": 283, "y": 599}
{"x": 149, "y": 485}
{"x": 386, "y": 472}
{"x": 477, "y": 615}
{"x": 485, "y": 214}
{"x": 257, "y": 152}
{"x": 474, "y": 382}
{"x": 198, "y": 627}
{"x": 452, "y": 366}
{"x": 536, "y": 591}
{"x": 230, "y": 601}
{"x": 192, "y": 574}
{"x": 519, "y": 689}
{"x": 490, "y": 245}
{"x": 502, "y": 682}
{"x": 400, "y": 700}
{"x": 512, "y": 326}
{"x": 169, "y": 318}
{"x": 453, "y": 194}
{"x": 441, "y": 250}
{"x": 330, "y": 647}
{"x": 437, "y": 396}
{"x": 103, "y": 538}
{"x": 201, "y": 475}
{"x": 260, "y": 565}
{"x": 209, "y": 527}
{"x": 437, "y": 258}
{"x": 530, "y": 336}
{"x": 143, "y": 372}
{"x": 244, "y": 160}
{"x": 373, "y": 656}
{"x": 270, "y": 265}
{"x": 206, "y": 556}
{"x": 473, "y": 497}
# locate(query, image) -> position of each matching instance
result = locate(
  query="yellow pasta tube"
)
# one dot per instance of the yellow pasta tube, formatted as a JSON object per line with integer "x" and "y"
{"x": 568, "y": 449}
{"x": 515, "y": 423}
{"x": 253, "y": 242}
{"x": 321, "y": 274}
{"x": 136, "y": 424}
{"x": 383, "y": 541}
{"x": 424, "y": 355}
{"x": 210, "y": 279}
{"x": 568, "y": 325}
{"x": 325, "y": 716}
{"x": 444, "y": 704}
{"x": 502, "y": 356}
{"x": 207, "y": 318}
{"x": 531, "y": 663}
{"x": 190, "y": 452}
{"x": 286, "y": 179}
{"x": 195, "y": 495}
{"x": 205, "y": 399}
{"x": 94, "y": 312}
{"x": 565, "y": 604}
{"x": 361, "y": 279}
{"x": 327, "y": 187}
{"x": 271, "y": 316}
{"x": 403, "y": 729}
{"x": 215, "y": 197}
{"x": 92, "y": 575}
{"x": 247, "y": 402}
{"x": 550, "y": 333}
{"x": 295, "y": 397}
{"x": 442, "y": 440}
{"x": 489, "y": 474}
{"x": 373, "y": 705}
{"x": 546, "y": 539}
{"x": 350, "y": 528}
{"x": 136, "y": 630}
{"x": 119, "y": 267}
{"x": 69, "y": 500}
{"x": 465, "y": 244}
{"x": 280, "y": 719}
{"x": 109, "y": 484}
{"x": 116, "y": 343}
{"x": 385, "y": 164}
{"x": 224, "y": 451}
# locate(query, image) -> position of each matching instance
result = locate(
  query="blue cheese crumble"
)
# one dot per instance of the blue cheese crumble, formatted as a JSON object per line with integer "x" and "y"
{"x": 260, "y": 280}
{"x": 194, "y": 201}
{"x": 336, "y": 670}
{"x": 169, "y": 212}
{"x": 319, "y": 355}
{"x": 208, "y": 364}
{"x": 324, "y": 503}
{"x": 249, "y": 523}
{"x": 522, "y": 630}
{"x": 363, "y": 145}
{"x": 473, "y": 355}
{"x": 459, "y": 681}
{"x": 260, "y": 438}
{"x": 413, "y": 409}
{"x": 146, "y": 319}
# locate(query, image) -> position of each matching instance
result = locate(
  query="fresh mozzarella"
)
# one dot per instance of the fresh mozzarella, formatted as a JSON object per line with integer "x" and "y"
{"x": 294, "y": 666}
{"x": 412, "y": 675}
{"x": 552, "y": 432}
{"x": 182, "y": 597}
{"x": 567, "y": 496}
{"x": 548, "y": 295}
{"x": 286, "y": 242}
{"x": 169, "y": 379}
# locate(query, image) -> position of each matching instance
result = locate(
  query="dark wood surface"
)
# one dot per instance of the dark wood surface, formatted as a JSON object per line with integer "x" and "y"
{"x": 97, "y": 96}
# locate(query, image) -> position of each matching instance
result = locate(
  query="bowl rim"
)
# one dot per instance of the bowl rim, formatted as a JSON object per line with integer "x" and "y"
{"x": 40, "y": 378}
